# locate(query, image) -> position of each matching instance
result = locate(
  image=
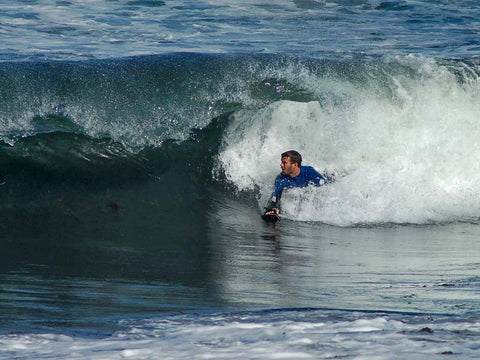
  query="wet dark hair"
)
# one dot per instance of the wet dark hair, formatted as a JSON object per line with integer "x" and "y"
{"x": 294, "y": 156}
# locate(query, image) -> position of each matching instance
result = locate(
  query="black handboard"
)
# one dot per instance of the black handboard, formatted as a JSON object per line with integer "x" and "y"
{"x": 270, "y": 218}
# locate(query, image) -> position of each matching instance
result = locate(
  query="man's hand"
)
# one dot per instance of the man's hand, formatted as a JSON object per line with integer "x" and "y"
{"x": 274, "y": 211}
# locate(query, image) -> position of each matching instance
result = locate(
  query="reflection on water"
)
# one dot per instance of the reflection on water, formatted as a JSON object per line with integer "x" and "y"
{"x": 295, "y": 264}
{"x": 225, "y": 259}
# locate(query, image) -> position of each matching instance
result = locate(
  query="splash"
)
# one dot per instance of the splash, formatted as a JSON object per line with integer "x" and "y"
{"x": 403, "y": 144}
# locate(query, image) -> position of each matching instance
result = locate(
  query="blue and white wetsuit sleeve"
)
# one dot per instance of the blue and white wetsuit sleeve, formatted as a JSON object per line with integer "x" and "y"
{"x": 315, "y": 177}
{"x": 274, "y": 201}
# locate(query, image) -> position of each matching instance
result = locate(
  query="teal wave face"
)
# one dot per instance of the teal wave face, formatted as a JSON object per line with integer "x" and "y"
{"x": 96, "y": 127}
{"x": 76, "y": 180}
{"x": 138, "y": 102}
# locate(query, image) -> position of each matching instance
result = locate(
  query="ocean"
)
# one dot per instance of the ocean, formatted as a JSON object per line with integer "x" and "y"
{"x": 139, "y": 143}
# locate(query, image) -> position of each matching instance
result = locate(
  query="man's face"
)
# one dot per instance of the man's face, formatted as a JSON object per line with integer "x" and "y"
{"x": 288, "y": 168}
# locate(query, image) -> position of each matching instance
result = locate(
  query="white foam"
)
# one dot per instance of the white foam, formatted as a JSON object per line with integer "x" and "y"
{"x": 287, "y": 335}
{"x": 406, "y": 157}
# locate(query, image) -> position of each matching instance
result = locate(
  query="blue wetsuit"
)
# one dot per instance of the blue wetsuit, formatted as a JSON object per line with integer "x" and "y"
{"x": 308, "y": 175}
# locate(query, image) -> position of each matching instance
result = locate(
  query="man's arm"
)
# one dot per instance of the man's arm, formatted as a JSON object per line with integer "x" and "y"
{"x": 273, "y": 204}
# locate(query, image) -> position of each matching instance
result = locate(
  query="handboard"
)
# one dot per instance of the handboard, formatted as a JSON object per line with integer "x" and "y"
{"x": 270, "y": 217}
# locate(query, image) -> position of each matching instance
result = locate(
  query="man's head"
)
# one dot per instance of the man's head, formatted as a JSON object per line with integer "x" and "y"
{"x": 290, "y": 164}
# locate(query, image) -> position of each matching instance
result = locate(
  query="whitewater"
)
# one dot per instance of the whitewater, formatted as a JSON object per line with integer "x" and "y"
{"x": 139, "y": 142}
{"x": 403, "y": 146}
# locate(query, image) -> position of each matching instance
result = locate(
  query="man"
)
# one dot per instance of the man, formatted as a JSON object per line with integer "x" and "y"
{"x": 293, "y": 175}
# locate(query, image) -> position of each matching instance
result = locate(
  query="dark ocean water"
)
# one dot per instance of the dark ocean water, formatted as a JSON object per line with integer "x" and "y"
{"x": 139, "y": 141}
